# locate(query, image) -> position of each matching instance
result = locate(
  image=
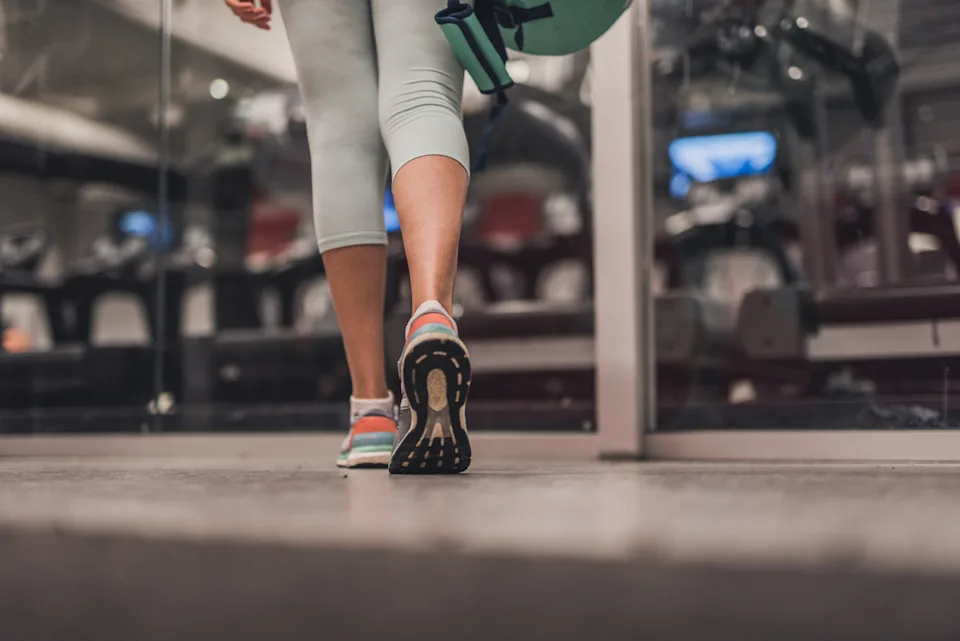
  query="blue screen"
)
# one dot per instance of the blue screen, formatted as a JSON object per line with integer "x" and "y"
{"x": 709, "y": 158}
{"x": 390, "y": 217}
{"x": 137, "y": 223}
{"x": 679, "y": 185}
{"x": 143, "y": 224}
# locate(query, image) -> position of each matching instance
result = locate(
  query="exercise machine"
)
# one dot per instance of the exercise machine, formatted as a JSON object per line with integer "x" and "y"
{"x": 889, "y": 339}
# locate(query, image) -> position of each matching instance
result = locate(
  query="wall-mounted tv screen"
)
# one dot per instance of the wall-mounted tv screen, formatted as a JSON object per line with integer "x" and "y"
{"x": 143, "y": 224}
{"x": 390, "y": 217}
{"x": 707, "y": 159}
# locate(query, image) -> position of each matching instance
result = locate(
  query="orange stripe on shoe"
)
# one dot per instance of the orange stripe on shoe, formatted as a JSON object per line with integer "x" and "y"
{"x": 425, "y": 319}
{"x": 374, "y": 424}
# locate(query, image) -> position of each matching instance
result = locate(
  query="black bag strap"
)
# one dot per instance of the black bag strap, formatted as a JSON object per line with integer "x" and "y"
{"x": 492, "y": 15}
{"x": 516, "y": 17}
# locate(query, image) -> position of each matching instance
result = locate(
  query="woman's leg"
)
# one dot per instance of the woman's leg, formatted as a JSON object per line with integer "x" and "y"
{"x": 421, "y": 83}
{"x": 430, "y": 192}
{"x": 332, "y": 44}
{"x": 357, "y": 277}
{"x": 420, "y": 118}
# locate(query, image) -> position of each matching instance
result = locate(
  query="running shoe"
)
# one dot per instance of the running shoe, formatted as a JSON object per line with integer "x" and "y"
{"x": 370, "y": 441}
{"x": 434, "y": 370}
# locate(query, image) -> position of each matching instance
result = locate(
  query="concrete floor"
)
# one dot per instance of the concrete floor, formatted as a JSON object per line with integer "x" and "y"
{"x": 164, "y": 549}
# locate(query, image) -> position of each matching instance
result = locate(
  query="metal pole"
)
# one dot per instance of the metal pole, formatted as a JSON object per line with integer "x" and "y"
{"x": 623, "y": 234}
{"x": 892, "y": 228}
{"x": 891, "y": 223}
{"x": 645, "y": 218}
{"x": 816, "y": 218}
{"x": 163, "y": 204}
{"x": 812, "y": 219}
{"x": 825, "y": 209}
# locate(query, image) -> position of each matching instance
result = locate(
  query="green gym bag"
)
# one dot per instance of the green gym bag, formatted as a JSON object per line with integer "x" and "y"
{"x": 482, "y": 32}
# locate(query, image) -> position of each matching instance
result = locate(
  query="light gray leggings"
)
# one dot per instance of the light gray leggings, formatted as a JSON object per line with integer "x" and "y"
{"x": 379, "y": 81}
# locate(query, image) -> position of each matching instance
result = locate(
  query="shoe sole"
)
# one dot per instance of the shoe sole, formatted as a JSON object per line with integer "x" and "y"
{"x": 375, "y": 459}
{"x": 436, "y": 377}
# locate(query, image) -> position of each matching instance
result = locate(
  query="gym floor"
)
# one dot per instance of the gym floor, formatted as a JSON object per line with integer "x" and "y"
{"x": 243, "y": 549}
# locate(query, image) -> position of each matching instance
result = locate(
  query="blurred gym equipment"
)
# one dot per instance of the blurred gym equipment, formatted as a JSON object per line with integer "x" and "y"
{"x": 283, "y": 367}
{"x": 125, "y": 261}
{"x": 20, "y": 256}
{"x": 53, "y": 381}
{"x": 74, "y": 372}
{"x": 892, "y": 233}
{"x": 22, "y": 252}
{"x": 927, "y": 214}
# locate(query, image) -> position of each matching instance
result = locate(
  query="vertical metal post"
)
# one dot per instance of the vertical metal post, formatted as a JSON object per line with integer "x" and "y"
{"x": 816, "y": 189}
{"x": 163, "y": 202}
{"x": 891, "y": 226}
{"x": 825, "y": 193}
{"x": 623, "y": 234}
{"x": 813, "y": 219}
{"x": 891, "y": 223}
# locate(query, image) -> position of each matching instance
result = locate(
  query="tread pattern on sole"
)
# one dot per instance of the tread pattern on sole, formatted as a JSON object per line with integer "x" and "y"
{"x": 438, "y": 442}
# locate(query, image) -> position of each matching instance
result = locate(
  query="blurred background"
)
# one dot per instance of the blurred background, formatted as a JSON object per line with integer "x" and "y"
{"x": 158, "y": 270}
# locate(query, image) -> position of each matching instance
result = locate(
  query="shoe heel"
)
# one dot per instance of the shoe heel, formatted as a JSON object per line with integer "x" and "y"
{"x": 436, "y": 375}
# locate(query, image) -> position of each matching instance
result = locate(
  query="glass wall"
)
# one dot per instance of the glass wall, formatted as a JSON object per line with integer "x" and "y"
{"x": 79, "y": 169}
{"x": 805, "y": 198}
{"x": 158, "y": 266}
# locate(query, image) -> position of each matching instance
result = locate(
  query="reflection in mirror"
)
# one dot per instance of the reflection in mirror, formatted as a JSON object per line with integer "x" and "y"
{"x": 817, "y": 280}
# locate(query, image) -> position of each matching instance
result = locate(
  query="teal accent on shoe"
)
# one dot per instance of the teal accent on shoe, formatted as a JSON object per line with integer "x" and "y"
{"x": 430, "y": 328}
{"x": 372, "y": 439}
{"x": 370, "y": 449}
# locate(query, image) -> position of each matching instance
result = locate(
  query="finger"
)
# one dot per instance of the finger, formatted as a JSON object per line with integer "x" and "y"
{"x": 267, "y": 6}
{"x": 263, "y": 23}
{"x": 244, "y": 8}
{"x": 250, "y": 16}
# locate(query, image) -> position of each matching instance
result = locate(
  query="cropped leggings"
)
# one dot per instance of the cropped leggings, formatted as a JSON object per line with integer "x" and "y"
{"x": 380, "y": 87}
